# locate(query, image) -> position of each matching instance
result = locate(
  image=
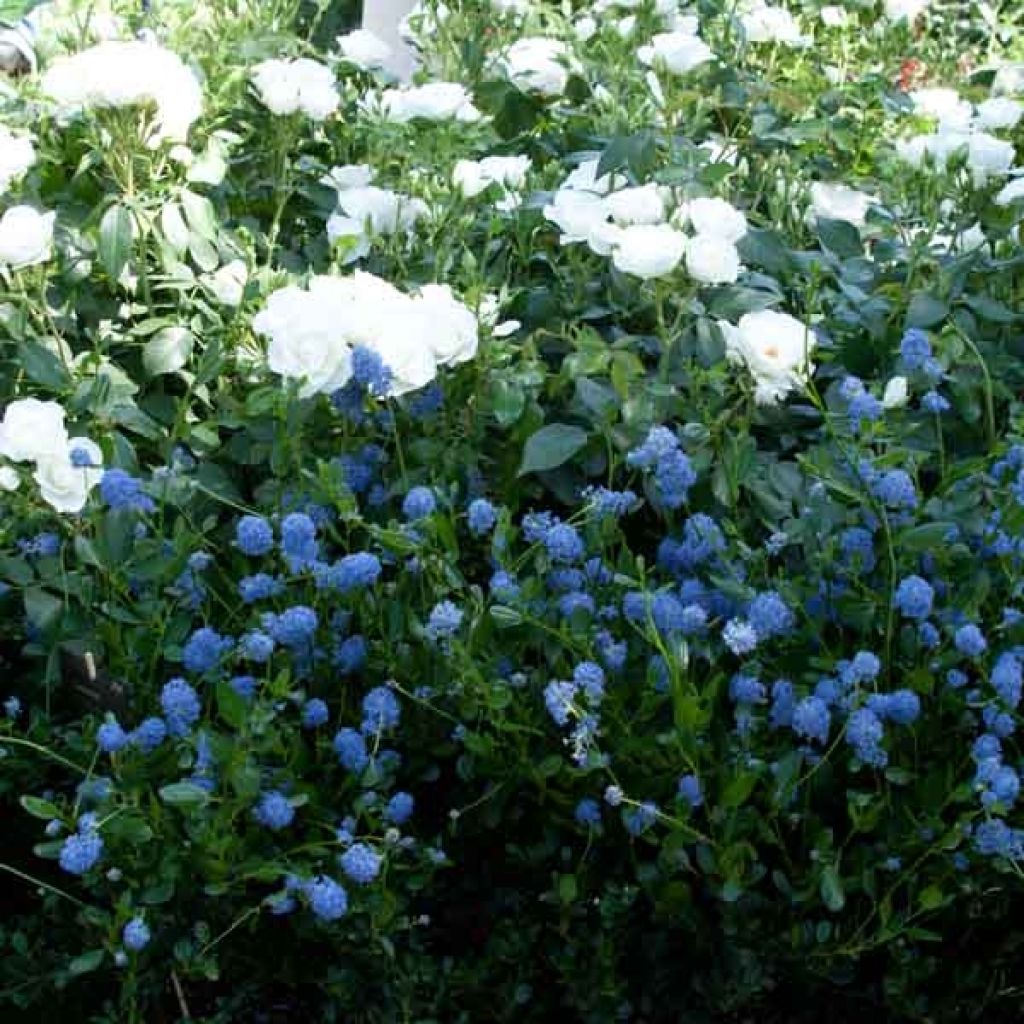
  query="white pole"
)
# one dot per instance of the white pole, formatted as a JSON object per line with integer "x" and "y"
{"x": 381, "y": 17}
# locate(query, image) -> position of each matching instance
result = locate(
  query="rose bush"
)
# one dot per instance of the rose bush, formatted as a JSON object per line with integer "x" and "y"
{"x": 543, "y": 539}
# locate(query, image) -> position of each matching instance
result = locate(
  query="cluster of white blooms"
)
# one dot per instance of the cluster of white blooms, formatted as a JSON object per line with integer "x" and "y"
{"x": 538, "y": 64}
{"x": 675, "y": 52}
{"x": 631, "y": 224}
{"x": 508, "y": 173}
{"x": 364, "y": 210}
{"x": 66, "y": 468}
{"x": 363, "y": 49}
{"x": 313, "y": 331}
{"x": 776, "y": 349}
{"x": 987, "y": 157}
{"x": 16, "y": 157}
{"x": 763, "y": 23}
{"x": 26, "y": 237}
{"x": 296, "y": 86}
{"x": 128, "y": 74}
{"x": 435, "y": 101}
{"x": 955, "y": 114}
{"x": 963, "y": 130}
{"x": 711, "y": 253}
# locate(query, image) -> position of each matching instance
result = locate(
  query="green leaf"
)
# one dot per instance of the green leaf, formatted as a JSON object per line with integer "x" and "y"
{"x": 926, "y": 537}
{"x": 509, "y": 401}
{"x": 832, "y": 889}
{"x": 167, "y": 351}
{"x": 567, "y": 889}
{"x": 765, "y": 248}
{"x": 840, "y": 237}
{"x": 505, "y": 617}
{"x": 200, "y": 214}
{"x": 739, "y": 789}
{"x": 41, "y": 608}
{"x": 86, "y": 962}
{"x": 931, "y": 898}
{"x": 551, "y": 447}
{"x": 184, "y": 794}
{"x": 731, "y": 302}
{"x": 925, "y": 311}
{"x": 230, "y": 705}
{"x": 38, "y": 808}
{"x": 117, "y": 233}
{"x": 43, "y": 366}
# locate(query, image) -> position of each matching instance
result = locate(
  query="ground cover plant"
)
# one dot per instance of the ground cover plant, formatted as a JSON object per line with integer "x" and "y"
{"x": 543, "y": 540}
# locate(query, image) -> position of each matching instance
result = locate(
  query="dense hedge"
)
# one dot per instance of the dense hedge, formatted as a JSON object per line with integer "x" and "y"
{"x": 544, "y": 543}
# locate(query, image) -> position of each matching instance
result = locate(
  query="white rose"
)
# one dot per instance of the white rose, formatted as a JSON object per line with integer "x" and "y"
{"x": 306, "y": 341}
{"x": 677, "y": 52}
{"x": 26, "y": 237}
{"x": 385, "y": 212}
{"x": 970, "y": 239}
{"x": 352, "y": 232}
{"x": 712, "y": 260}
{"x": 640, "y": 204}
{"x": 472, "y": 177}
{"x": 65, "y": 480}
{"x": 839, "y": 202}
{"x": 128, "y": 73}
{"x": 675, "y": 19}
{"x": 584, "y": 28}
{"x": 774, "y": 347}
{"x": 772, "y": 25}
{"x": 455, "y": 333}
{"x": 293, "y": 86}
{"x": 364, "y": 49}
{"x": 576, "y": 213}
{"x": 16, "y": 157}
{"x": 318, "y": 94}
{"x": 228, "y": 282}
{"x": 536, "y": 64}
{"x": 716, "y": 217}
{"x": 398, "y": 328}
{"x": 999, "y": 112}
{"x": 435, "y": 101}
{"x": 649, "y": 250}
{"x": 988, "y": 157}
{"x": 32, "y": 430}
{"x": 9, "y": 479}
{"x": 603, "y": 237}
{"x": 1010, "y": 192}
{"x": 834, "y": 17}
{"x": 1009, "y": 80}
{"x": 895, "y": 395}
{"x": 584, "y": 178}
{"x": 945, "y": 106}
{"x": 348, "y": 176}
{"x": 905, "y": 10}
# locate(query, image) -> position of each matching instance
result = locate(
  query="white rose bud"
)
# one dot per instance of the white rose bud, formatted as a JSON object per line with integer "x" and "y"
{"x": 895, "y": 395}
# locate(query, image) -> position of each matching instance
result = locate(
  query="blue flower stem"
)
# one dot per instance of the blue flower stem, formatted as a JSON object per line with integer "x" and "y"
{"x": 42, "y": 884}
